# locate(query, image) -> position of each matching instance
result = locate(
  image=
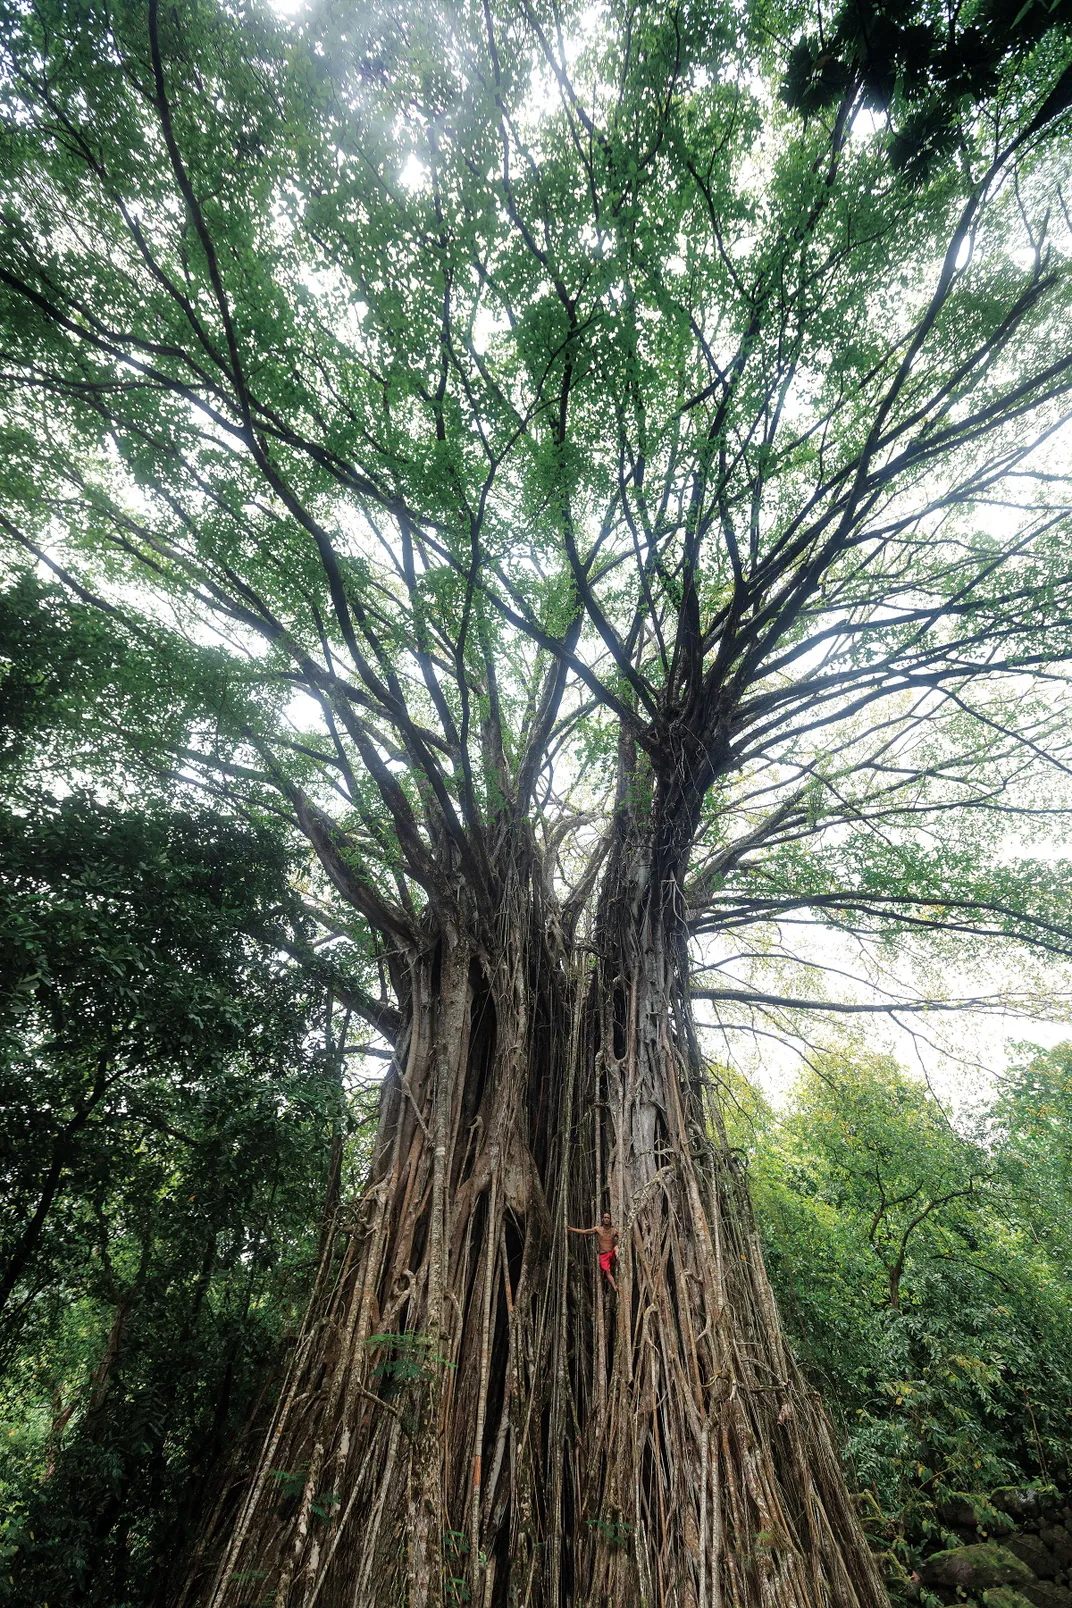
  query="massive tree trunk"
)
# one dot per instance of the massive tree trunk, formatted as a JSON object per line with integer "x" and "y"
{"x": 471, "y": 1415}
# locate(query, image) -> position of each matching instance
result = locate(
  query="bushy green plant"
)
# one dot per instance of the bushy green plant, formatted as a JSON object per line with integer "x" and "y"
{"x": 168, "y": 1101}
{"x": 922, "y": 1268}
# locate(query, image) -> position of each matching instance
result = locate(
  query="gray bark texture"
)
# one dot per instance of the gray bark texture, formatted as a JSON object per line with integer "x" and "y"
{"x": 470, "y": 1414}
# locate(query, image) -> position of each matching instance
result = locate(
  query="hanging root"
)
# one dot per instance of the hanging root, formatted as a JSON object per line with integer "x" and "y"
{"x": 470, "y": 1415}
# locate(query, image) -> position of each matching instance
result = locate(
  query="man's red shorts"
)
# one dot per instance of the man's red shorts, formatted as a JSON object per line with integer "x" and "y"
{"x": 607, "y": 1259}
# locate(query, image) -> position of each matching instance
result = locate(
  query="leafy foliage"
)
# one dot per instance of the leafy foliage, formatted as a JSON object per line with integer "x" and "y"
{"x": 168, "y": 1103}
{"x": 167, "y": 1119}
{"x": 514, "y": 394}
{"x": 927, "y": 65}
{"x": 956, "y": 1378}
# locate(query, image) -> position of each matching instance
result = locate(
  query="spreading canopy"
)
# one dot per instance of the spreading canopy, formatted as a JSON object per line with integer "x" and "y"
{"x": 489, "y": 388}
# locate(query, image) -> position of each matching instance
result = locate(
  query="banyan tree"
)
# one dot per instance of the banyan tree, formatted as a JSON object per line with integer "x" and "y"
{"x": 596, "y": 471}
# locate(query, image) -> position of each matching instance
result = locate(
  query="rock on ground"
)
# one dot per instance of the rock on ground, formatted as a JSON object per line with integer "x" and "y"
{"x": 1044, "y": 1594}
{"x": 1033, "y": 1551}
{"x": 976, "y": 1567}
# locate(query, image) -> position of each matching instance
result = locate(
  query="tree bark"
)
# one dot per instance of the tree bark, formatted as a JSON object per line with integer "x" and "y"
{"x": 470, "y": 1416}
{"x": 25, "y": 1248}
{"x": 26, "y": 1245}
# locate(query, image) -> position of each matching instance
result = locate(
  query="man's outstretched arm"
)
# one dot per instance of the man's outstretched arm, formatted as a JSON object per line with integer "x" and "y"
{"x": 571, "y": 1230}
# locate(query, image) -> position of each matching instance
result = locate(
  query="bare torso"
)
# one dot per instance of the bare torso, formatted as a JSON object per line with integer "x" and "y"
{"x": 607, "y": 1236}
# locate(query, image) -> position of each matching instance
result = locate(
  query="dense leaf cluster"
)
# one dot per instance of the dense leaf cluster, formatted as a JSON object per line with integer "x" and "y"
{"x": 169, "y": 1088}
{"x": 924, "y": 1269}
{"x": 929, "y": 66}
{"x": 514, "y": 393}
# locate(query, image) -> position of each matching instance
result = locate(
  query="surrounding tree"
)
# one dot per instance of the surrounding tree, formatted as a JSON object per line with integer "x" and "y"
{"x": 619, "y": 512}
{"x": 167, "y": 1123}
{"x": 1034, "y": 1122}
{"x": 918, "y": 65}
{"x": 961, "y": 1384}
{"x": 169, "y": 1091}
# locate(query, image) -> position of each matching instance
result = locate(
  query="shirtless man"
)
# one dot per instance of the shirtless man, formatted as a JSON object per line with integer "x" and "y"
{"x": 608, "y": 1246}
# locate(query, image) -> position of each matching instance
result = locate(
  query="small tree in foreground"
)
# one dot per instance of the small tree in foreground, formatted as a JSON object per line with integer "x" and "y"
{"x": 613, "y": 475}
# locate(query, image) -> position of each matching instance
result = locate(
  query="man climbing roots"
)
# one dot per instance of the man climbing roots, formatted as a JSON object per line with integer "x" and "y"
{"x": 608, "y": 1246}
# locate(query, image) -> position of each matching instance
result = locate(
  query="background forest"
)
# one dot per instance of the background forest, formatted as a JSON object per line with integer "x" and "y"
{"x": 174, "y": 1114}
{"x": 176, "y": 1110}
